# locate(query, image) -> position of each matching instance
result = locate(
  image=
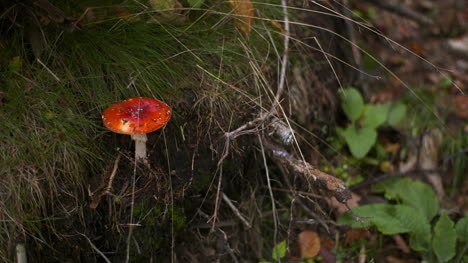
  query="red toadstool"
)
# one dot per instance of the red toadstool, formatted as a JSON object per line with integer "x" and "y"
{"x": 137, "y": 116}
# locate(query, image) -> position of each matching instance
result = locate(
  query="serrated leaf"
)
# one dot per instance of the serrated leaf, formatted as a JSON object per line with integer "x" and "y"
{"x": 243, "y": 11}
{"x": 445, "y": 238}
{"x": 279, "y": 251}
{"x": 462, "y": 229}
{"x": 393, "y": 219}
{"x": 352, "y": 103}
{"x": 418, "y": 195}
{"x": 195, "y": 3}
{"x": 397, "y": 113}
{"x": 360, "y": 141}
{"x": 376, "y": 115}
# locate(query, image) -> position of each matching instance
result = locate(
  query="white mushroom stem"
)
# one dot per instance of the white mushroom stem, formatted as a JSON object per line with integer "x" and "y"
{"x": 140, "y": 146}
{"x": 21, "y": 253}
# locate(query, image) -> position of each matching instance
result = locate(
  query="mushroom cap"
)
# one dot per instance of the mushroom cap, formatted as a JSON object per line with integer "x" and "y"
{"x": 136, "y": 115}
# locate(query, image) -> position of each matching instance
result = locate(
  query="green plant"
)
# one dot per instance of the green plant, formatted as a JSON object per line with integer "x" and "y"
{"x": 416, "y": 208}
{"x": 279, "y": 251}
{"x": 361, "y": 134}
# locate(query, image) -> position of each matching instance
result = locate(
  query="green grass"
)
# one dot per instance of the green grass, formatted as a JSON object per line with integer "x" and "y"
{"x": 53, "y": 144}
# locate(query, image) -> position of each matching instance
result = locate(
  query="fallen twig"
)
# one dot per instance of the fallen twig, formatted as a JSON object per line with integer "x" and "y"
{"x": 402, "y": 11}
{"x": 95, "y": 248}
{"x": 236, "y": 211}
{"x": 104, "y": 190}
{"x": 323, "y": 180}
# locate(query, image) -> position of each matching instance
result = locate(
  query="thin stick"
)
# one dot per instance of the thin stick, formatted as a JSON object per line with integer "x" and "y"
{"x": 96, "y": 249}
{"x": 48, "y": 70}
{"x": 132, "y": 204}
{"x": 98, "y": 194}
{"x": 236, "y": 211}
{"x": 173, "y": 259}
{"x": 111, "y": 178}
{"x": 273, "y": 205}
{"x": 218, "y": 192}
{"x": 284, "y": 59}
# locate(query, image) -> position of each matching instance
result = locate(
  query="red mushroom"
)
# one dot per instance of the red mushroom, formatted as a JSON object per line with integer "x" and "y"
{"x": 137, "y": 116}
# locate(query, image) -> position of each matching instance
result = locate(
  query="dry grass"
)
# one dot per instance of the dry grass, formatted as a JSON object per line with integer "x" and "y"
{"x": 54, "y": 151}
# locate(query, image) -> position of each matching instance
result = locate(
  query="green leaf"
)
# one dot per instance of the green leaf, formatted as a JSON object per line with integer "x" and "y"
{"x": 195, "y": 3}
{"x": 420, "y": 239}
{"x": 376, "y": 115}
{"x": 397, "y": 113}
{"x": 15, "y": 64}
{"x": 418, "y": 195}
{"x": 352, "y": 103}
{"x": 445, "y": 238}
{"x": 393, "y": 219}
{"x": 279, "y": 251}
{"x": 462, "y": 229}
{"x": 360, "y": 141}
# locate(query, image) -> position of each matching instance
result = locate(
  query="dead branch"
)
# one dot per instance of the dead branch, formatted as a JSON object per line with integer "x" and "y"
{"x": 402, "y": 11}
{"x": 236, "y": 211}
{"x": 104, "y": 189}
{"x": 323, "y": 180}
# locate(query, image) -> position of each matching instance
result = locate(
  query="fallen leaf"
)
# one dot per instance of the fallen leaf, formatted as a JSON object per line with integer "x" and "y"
{"x": 429, "y": 159}
{"x": 124, "y": 14}
{"x": 416, "y": 48}
{"x": 355, "y": 234}
{"x": 244, "y": 12}
{"x": 387, "y": 167}
{"x": 392, "y": 147}
{"x": 460, "y": 103}
{"x": 341, "y": 208}
{"x": 327, "y": 246}
{"x": 309, "y": 244}
{"x": 278, "y": 27}
{"x": 170, "y": 12}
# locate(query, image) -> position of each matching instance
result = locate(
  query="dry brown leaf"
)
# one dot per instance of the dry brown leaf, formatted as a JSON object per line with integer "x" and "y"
{"x": 309, "y": 244}
{"x": 341, "y": 208}
{"x": 429, "y": 159}
{"x": 354, "y": 234}
{"x": 170, "y": 12}
{"x": 327, "y": 246}
{"x": 417, "y": 48}
{"x": 461, "y": 105}
{"x": 244, "y": 12}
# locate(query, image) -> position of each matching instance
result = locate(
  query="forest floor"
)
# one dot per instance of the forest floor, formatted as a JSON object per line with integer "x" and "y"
{"x": 262, "y": 160}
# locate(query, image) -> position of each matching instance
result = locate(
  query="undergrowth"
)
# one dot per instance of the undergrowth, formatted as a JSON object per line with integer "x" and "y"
{"x": 58, "y": 73}
{"x": 56, "y": 79}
